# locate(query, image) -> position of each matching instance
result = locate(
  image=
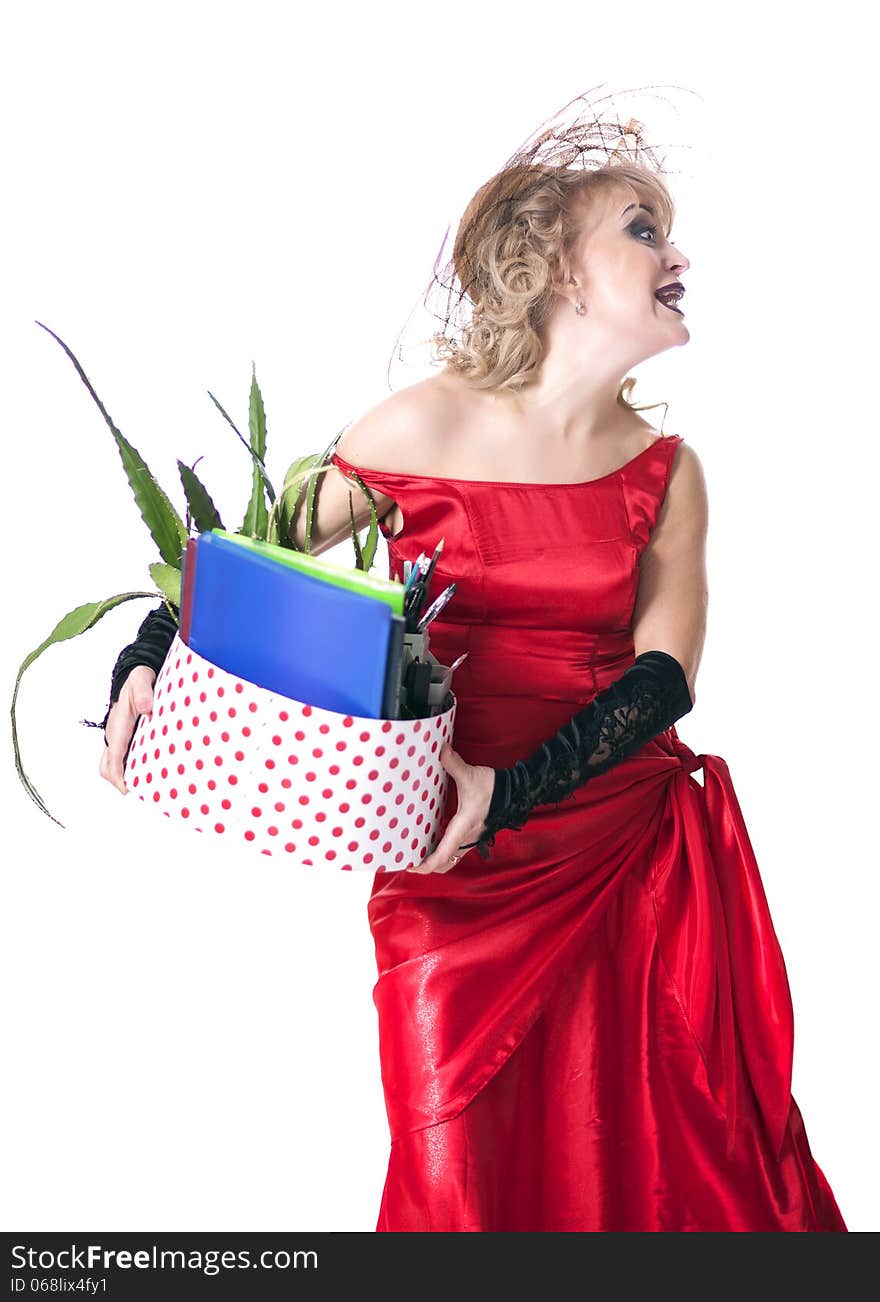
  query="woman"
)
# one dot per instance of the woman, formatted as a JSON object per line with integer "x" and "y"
{"x": 586, "y": 1025}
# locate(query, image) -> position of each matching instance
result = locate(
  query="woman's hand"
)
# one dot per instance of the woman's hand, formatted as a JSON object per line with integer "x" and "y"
{"x": 135, "y": 699}
{"x": 474, "y": 785}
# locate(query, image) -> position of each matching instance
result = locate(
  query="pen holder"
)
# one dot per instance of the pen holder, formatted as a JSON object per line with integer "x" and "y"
{"x": 326, "y": 790}
{"x": 433, "y": 682}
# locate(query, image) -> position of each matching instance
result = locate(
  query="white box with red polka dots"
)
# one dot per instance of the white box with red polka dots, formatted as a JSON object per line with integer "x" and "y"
{"x": 324, "y": 790}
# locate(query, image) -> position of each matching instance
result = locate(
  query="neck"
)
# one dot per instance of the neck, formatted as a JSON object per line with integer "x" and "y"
{"x": 574, "y": 393}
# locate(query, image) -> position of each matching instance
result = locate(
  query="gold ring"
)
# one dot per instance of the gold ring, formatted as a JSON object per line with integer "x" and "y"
{"x": 455, "y": 858}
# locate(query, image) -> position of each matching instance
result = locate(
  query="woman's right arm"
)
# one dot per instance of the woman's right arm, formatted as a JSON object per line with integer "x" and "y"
{"x": 369, "y": 441}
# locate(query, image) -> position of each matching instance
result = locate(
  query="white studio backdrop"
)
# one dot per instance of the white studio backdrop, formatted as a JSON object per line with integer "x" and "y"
{"x": 190, "y": 188}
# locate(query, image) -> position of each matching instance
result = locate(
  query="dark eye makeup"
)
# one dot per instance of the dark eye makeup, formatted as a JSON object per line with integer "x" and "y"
{"x": 639, "y": 227}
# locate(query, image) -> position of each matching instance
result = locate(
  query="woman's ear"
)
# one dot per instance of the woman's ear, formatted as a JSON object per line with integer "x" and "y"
{"x": 568, "y": 289}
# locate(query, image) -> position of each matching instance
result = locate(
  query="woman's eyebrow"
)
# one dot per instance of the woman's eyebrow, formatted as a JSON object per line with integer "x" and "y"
{"x": 643, "y": 206}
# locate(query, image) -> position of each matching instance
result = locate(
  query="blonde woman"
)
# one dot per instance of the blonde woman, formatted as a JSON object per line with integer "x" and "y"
{"x": 585, "y": 1021}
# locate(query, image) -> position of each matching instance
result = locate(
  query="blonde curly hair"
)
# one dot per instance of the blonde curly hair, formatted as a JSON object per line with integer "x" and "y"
{"x": 515, "y": 241}
{"x": 514, "y": 245}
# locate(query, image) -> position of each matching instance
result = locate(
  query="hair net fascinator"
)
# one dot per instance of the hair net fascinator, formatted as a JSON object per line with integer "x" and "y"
{"x": 596, "y": 129}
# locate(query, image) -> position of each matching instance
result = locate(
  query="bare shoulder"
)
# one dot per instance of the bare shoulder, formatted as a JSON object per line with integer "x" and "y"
{"x": 401, "y": 433}
{"x": 686, "y": 493}
{"x": 683, "y": 521}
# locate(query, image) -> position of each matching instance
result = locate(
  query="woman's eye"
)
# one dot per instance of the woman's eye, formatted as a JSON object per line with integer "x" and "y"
{"x": 640, "y": 230}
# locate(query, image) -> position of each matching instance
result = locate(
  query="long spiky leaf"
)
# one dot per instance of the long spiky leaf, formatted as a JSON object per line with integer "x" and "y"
{"x": 79, "y": 620}
{"x": 270, "y": 491}
{"x": 256, "y": 518}
{"x": 165, "y": 525}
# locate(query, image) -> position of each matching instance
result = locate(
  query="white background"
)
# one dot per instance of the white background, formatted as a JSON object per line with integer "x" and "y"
{"x": 191, "y": 1040}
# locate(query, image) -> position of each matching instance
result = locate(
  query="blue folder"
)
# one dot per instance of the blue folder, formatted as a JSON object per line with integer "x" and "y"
{"x": 289, "y": 632}
{"x": 369, "y": 585}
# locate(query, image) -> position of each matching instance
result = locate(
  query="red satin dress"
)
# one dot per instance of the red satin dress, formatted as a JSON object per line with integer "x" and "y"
{"x": 592, "y": 1030}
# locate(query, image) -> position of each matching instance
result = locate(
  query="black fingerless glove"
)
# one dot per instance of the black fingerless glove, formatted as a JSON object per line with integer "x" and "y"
{"x": 646, "y": 700}
{"x": 150, "y": 647}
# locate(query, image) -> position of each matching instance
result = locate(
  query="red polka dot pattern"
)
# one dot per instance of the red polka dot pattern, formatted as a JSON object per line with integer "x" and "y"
{"x": 320, "y": 789}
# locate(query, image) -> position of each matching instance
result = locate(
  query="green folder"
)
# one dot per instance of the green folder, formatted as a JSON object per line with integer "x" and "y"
{"x": 368, "y": 585}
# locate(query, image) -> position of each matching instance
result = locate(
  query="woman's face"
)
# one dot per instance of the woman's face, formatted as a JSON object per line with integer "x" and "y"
{"x": 621, "y": 261}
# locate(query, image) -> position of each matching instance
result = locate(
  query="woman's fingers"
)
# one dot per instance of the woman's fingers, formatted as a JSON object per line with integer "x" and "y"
{"x": 119, "y": 731}
{"x": 135, "y": 699}
{"x": 474, "y": 786}
{"x": 446, "y": 855}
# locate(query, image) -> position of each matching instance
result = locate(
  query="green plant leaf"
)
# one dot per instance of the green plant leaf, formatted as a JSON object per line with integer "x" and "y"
{"x": 321, "y": 464}
{"x": 165, "y": 525}
{"x": 77, "y": 621}
{"x": 311, "y": 489}
{"x": 168, "y": 580}
{"x": 356, "y": 542}
{"x": 201, "y": 507}
{"x": 189, "y": 519}
{"x": 369, "y": 547}
{"x": 257, "y": 417}
{"x": 286, "y": 506}
{"x": 364, "y": 556}
{"x": 258, "y": 460}
{"x": 304, "y": 475}
{"x": 256, "y": 517}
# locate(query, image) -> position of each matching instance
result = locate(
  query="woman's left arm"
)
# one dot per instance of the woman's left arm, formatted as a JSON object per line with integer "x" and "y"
{"x": 673, "y": 598}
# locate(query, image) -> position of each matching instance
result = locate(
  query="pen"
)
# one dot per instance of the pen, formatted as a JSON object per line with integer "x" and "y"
{"x": 414, "y": 570}
{"x": 420, "y": 587}
{"x": 435, "y": 607}
{"x": 434, "y": 560}
{"x": 411, "y": 593}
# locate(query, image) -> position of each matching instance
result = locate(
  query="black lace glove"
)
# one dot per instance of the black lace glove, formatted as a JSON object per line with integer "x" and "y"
{"x": 150, "y": 647}
{"x": 646, "y": 700}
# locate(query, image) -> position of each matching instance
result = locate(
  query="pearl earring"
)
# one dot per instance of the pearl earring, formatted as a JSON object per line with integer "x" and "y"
{"x": 579, "y": 307}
